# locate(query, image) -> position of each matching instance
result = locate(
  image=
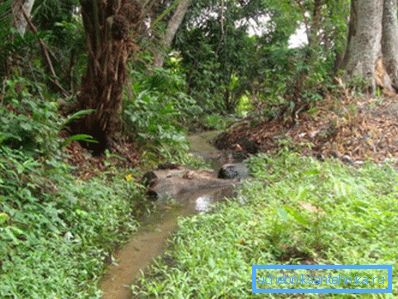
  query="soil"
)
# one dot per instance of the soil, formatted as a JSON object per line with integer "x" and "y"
{"x": 351, "y": 129}
{"x": 125, "y": 154}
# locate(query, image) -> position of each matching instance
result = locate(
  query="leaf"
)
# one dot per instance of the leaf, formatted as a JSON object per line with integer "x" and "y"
{"x": 26, "y": 126}
{"x": 297, "y": 216}
{"x": 77, "y": 116}
{"x": 212, "y": 263}
{"x": 80, "y": 137}
{"x": 4, "y": 218}
{"x": 283, "y": 215}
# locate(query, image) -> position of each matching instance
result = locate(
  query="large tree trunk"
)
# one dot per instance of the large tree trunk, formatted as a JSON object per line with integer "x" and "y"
{"x": 390, "y": 40}
{"x": 364, "y": 42}
{"x": 172, "y": 28}
{"x": 108, "y": 26}
{"x": 18, "y": 9}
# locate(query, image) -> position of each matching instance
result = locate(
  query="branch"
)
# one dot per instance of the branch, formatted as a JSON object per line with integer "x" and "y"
{"x": 305, "y": 19}
{"x": 46, "y": 55}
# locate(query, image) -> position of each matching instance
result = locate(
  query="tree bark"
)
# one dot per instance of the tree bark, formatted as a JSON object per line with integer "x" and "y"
{"x": 390, "y": 40}
{"x": 313, "y": 26}
{"x": 18, "y": 9}
{"x": 364, "y": 41}
{"x": 171, "y": 30}
{"x": 351, "y": 30}
{"x": 313, "y": 36}
{"x": 108, "y": 26}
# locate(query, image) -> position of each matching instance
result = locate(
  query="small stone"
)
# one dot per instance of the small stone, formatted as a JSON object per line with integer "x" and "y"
{"x": 188, "y": 175}
{"x": 347, "y": 159}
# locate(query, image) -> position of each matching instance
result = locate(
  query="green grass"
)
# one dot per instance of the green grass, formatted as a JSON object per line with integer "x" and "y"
{"x": 296, "y": 210}
{"x": 56, "y": 230}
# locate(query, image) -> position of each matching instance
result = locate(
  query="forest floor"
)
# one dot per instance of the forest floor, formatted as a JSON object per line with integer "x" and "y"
{"x": 351, "y": 129}
{"x": 124, "y": 154}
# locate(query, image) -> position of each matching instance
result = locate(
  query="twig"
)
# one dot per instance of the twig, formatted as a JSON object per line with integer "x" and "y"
{"x": 46, "y": 54}
{"x": 305, "y": 19}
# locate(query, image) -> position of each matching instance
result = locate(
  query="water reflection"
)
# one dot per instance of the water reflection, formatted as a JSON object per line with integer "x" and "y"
{"x": 203, "y": 203}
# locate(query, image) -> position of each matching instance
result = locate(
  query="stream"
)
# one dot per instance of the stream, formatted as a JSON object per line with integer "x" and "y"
{"x": 151, "y": 239}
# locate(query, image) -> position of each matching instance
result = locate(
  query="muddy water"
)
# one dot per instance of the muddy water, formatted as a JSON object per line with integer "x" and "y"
{"x": 200, "y": 146}
{"x": 151, "y": 240}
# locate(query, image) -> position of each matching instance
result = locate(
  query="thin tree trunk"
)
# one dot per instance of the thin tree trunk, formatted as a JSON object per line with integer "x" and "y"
{"x": 313, "y": 27}
{"x": 364, "y": 45}
{"x": 172, "y": 28}
{"x": 351, "y": 31}
{"x": 18, "y": 9}
{"x": 336, "y": 8}
{"x": 390, "y": 40}
{"x": 108, "y": 26}
{"x": 46, "y": 55}
{"x": 313, "y": 38}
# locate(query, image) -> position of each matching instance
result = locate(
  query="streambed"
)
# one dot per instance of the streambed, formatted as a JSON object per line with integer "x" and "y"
{"x": 151, "y": 239}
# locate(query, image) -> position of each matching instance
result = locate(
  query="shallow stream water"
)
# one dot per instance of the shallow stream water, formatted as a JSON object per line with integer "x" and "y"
{"x": 151, "y": 239}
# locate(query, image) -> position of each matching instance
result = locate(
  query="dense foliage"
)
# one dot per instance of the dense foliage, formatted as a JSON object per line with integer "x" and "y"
{"x": 245, "y": 49}
{"x": 55, "y": 229}
{"x": 159, "y": 110}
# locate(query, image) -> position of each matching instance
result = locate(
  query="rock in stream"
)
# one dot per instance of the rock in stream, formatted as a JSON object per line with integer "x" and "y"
{"x": 233, "y": 171}
{"x": 166, "y": 183}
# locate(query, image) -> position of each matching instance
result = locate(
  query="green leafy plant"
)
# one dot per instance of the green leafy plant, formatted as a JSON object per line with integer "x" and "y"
{"x": 55, "y": 229}
{"x": 161, "y": 111}
{"x": 28, "y": 122}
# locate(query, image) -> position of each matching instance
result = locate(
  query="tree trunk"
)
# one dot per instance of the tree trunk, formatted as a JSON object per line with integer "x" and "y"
{"x": 18, "y": 9}
{"x": 108, "y": 26}
{"x": 390, "y": 40}
{"x": 313, "y": 27}
{"x": 351, "y": 30}
{"x": 313, "y": 36}
{"x": 172, "y": 28}
{"x": 364, "y": 41}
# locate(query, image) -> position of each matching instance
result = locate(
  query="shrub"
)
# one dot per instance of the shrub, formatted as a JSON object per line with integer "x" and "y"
{"x": 29, "y": 123}
{"x": 56, "y": 230}
{"x": 161, "y": 111}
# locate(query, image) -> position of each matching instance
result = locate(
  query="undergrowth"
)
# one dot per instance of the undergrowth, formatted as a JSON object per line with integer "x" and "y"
{"x": 160, "y": 112}
{"x": 55, "y": 229}
{"x": 296, "y": 210}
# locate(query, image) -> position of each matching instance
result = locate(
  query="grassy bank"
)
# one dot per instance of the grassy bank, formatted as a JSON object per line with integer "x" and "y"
{"x": 296, "y": 210}
{"x": 56, "y": 230}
